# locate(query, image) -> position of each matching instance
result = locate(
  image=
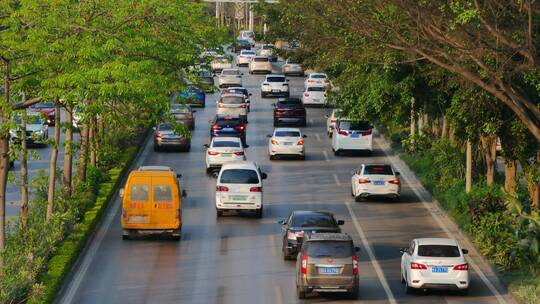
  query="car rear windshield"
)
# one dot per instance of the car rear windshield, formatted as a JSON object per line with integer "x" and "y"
{"x": 287, "y": 134}
{"x": 239, "y": 176}
{"x": 315, "y": 89}
{"x": 379, "y": 170}
{"x": 232, "y": 100}
{"x": 292, "y": 103}
{"x": 162, "y": 193}
{"x": 139, "y": 193}
{"x": 226, "y": 122}
{"x": 354, "y": 125}
{"x": 225, "y": 143}
{"x": 439, "y": 251}
{"x": 313, "y": 220}
{"x": 205, "y": 74}
{"x": 43, "y": 105}
{"x": 318, "y": 76}
{"x": 260, "y": 59}
{"x": 230, "y": 72}
{"x": 237, "y": 91}
{"x": 275, "y": 79}
{"x": 252, "y": 53}
{"x": 333, "y": 249}
{"x": 241, "y": 41}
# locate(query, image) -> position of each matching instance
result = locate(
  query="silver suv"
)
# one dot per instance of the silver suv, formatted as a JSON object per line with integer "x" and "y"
{"x": 327, "y": 262}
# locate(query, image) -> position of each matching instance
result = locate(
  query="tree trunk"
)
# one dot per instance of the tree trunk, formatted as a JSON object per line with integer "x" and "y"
{"x": 83, "y": 159}
{"x": 452, "y": 134}
{"x": 510, "y": 175}
{"x": 444, "y": 132}
{"x": 52, "y": 163}
{"x": 534, "y": 187}
{"x": 4, "y": 161}
{"x": 489, "y": 144}
{"x": 92, "y": 141}
{"x": 68, "y": 152}
{"x": 468, "y": 167}
{"x": 24, "y": 173}
{"x": 413, "y": 118}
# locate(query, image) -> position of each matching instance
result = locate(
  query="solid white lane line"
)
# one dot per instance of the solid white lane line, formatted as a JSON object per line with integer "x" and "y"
{"x": 336, "y": 179}
{"x": 371, "y": 255}
{"x": 278, "y": 294}
{"x": 325, "y": 156}
{"x": 318, "y": 137}
{"x": 437, "y": 219}
{"x": 94, "y": 245}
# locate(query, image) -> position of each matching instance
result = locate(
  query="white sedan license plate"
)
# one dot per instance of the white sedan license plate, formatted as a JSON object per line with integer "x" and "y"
{"x": 226, "y": 154}
{"x": 275, "y": 91}
{"x": 287, "y": 143}
{"x": 238, "y": 198}
{"x": 378, "y": 183}
{"x": 439, "y": 269}
{"x": 328, "y": 270}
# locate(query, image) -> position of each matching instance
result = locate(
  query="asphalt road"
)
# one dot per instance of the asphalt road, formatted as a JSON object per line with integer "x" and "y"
{"x": 237, "y": 258}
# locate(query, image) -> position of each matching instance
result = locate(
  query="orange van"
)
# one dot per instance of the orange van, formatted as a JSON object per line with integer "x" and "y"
{"x": 152, "y": 202}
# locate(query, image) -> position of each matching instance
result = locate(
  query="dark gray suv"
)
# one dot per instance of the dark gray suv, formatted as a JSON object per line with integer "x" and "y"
{"x": 327, "y": 262}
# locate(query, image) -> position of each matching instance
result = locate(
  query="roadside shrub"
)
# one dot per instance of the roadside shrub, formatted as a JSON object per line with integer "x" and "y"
{"x": 493, "y": 234}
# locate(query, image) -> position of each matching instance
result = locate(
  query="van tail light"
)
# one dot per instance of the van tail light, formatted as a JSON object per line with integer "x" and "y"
{"x": 364, "y": 181}
{"x": 304, "y": 264}
{"x": 222, "y": 189}
{"x": 395, "y": 181}
{"x": 243, "y": 106}
{"x": 255, "y": 189}
{"x": 239, "y": 153}
{"x": 364, "y": 133}
{"x": 274, "y": 142}
{"x": 418, "y": 266}
{"x": 300, "y": 142}
{"x": 355, "y": 265}
{"x": 213, "y": 153}
{"x": 461, "y": 267}
{"x": 342, "y": 132}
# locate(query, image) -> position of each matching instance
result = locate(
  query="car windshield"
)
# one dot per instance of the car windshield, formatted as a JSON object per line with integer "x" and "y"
{"x": 260, "y": 59}
{"x": 226, "y": 143}
{"x": 230, "y": 72}
{"x": 43, "y": 105}
{"x": 267, "y": 47}
{"x": 232, "y": 100}
{"x": 30, "y": 120}
{"x": 239, "y": 176}
{"x": 249, "y": 53}
{"x": 287, "y": 134}
{"x": 318, "y": 76}
{"x": 289, "y": 103}
{"x": 378, "y": 170}
{"x": 354, "y": 125}
{"x": 334, "y": 249}
{"x": 275, "y": 79}
{"x": 315, "y": 89}
{"x": 243, "y": 41}
{"x": 238, "y": 91}
{"x": 439, "y": 251}
{"x": 313, "y": 220}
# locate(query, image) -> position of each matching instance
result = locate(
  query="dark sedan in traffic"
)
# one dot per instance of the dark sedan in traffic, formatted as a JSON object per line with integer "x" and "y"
{"x": 289, "y": 111}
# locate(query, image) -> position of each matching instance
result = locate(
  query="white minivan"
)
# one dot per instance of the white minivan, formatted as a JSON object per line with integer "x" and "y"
{"x": 352, "y": 136}
{"x": 239, "y": 187}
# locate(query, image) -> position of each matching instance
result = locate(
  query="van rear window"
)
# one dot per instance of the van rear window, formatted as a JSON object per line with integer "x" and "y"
{"x": 239, "y": 176}
{"x": 162, "y": 193}
{"x": 330, "y": 249}
{"x": 139, "y": 193}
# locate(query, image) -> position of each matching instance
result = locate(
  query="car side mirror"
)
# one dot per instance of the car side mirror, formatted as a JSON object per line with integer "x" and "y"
{"x": 288, "y": 80}
{"x": 250, "y": 94}
{"x": 304, "y": 135}
{"x": 121, "y": 193}
{"x": 184, "y": 193}
{"x": 178, "y": 175}
{"x": 465, "y": 251}
{"x": 398, "y": 173}
{"x": 264, "y": 175}
{"x": 268, "y": 135}
{"x": 282, "y": 221}
{"x": 154, "y": 128}
{"x": 326, "y": 116}
{"x": 340, "y": 222}
{"x": 403, "y": 249}
{"x": 357, "y": 249}
{"x": 206, "y": 146}
{"x": 246, "y": 146}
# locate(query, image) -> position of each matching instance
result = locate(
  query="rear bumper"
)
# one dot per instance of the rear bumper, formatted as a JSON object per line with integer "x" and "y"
{"x": 458, "y": 282}
{"x": 281, "y": 150}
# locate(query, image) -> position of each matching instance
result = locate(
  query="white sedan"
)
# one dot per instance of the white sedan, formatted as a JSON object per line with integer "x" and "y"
{"x": 375, "y": 180}
{"x": 230, "y": 78}
{"x": 314, "y": 96}
{"x": 434, "y": 263}
{"x": 245, "y": 57}
{"x": 223, "y": 150}
{"x": 286, "y": 142}
{"x": 317, "y": 79}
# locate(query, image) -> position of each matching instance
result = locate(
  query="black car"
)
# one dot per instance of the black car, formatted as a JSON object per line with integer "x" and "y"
{"x": 241, "y": 44}
{"x": 289, "y": 111}
{"x": 228, "y": 126}
{"x": 300, "y": 222}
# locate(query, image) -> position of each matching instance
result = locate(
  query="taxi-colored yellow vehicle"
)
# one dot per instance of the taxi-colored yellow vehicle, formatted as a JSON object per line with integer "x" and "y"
{"x": 152, "y": 202}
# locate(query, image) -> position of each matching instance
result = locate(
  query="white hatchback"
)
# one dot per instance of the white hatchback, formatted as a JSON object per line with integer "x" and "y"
{"x": 314, "y": 96}
{"x": 286, "y": 141}
{"x": 375, "y": 180}
{"x": 260, "y": 64}
{"x": 245, "y": 57}
{"x": 223, "y": 150}
{"x": 434, "y": 263}
{"x": 230, "y": 78}
{"x": 239, "y": 187}
{"x": 352, "y": 135}
{"x": 317, "y": 79}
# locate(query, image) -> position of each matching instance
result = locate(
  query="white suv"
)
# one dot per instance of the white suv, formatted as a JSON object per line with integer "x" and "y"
{"x": 375, "y": 180}
{"x": 275, "y": 85}
{"x": 260, "y": 64}
{"x": 239, "y": 187}
{"x": 434, "y": 263}
{"x": 352, "y": 135}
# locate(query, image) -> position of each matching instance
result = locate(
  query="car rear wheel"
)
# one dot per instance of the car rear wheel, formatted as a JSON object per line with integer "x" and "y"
{"x": 301, "y": 293}
{"x": 259, "y": 213}
{"x": 219, "y": 213}
{"x": 358, "y": 199}
{"x": 337, "y": 152}
{"x": 156, "y": 148}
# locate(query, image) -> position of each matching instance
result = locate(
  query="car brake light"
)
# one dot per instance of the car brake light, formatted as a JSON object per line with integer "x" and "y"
{"x": 342, "y": 132}
{"x": 311, "y": 81}
{"x": 240, "y": 128}
{"x": 222, "y": 189}
{"x": 418, "y": 266}
{"x": 158, "y": 134}
{"x": 243, "y": 106}
{"x": 216, "y": 127}
{"x": 255, "y": 189}
{"x": 212, "y": 153}
{"x": 461, "y": 267}
{"x": 306, "y": 94}
{"x": 333, "y": 120}
{"x": 300, "y": 142}
{"x": 304, "y": 264}
{"x": 364, "y": 133}
{"x": 395, "y": 181}
{"x": 326, "y": 81}
{"x": 295, "y": 235}
{"x": 274, "y": 142}
{"x": 220, "y": 105}
{"x": 364, "y": 181}
{"x": 355, "y": 265}
{"x": 239, "y": 153}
